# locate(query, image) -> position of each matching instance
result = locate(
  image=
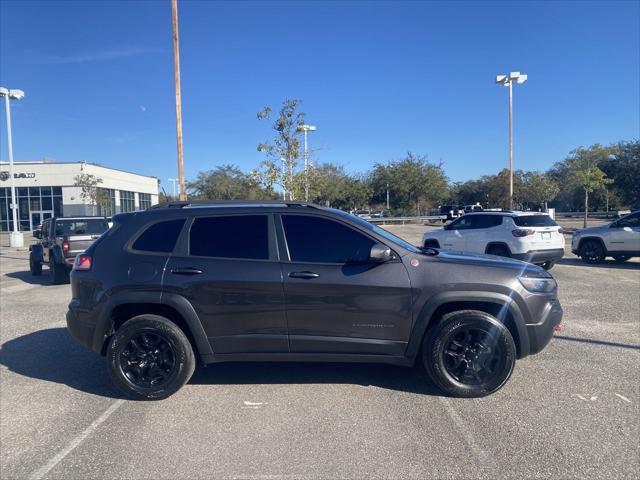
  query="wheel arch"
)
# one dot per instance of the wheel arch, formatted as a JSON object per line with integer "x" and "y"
{"x": 592, "y": 238}
{"x": 432, "y": 240}
{"x": 498, "y": 244}
{"x": 499, "y": 305}
{"x": 175, "y": 308}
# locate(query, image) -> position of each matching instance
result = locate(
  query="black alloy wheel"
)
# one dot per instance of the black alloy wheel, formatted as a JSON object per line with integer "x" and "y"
{"x": 147, "y": 360}
{"x": 592, "y": 251}
{"x": 469, "y": 353}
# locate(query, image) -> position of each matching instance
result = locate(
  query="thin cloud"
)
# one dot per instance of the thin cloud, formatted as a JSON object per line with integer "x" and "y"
{"x": 142, "y": 108}
{"x": 102, "y": 56}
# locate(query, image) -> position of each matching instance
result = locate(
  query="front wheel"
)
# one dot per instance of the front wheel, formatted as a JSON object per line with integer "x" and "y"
{"x": 149, "y": 358}
{"x": 469, "y": 354}
{"x": 592, "y": 251}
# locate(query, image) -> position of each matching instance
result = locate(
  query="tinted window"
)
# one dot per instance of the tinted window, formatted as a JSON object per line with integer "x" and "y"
{"x": 534, "y": 221}
{"x": 242, "y": 236}
{"x": 160, "y": 237}
{"x": 486, "y": 221}
{"x": 94, "y": 226}
{"x": 463, "y": 223}
{"x": 631, "y": 221}
{"x": 313, "y": 239}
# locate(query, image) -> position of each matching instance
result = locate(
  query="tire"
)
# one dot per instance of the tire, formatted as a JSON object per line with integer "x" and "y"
{"x": 621, "y": 258}
{"x": 159, "y": 366}
{"x": 498, "y": 250}
{"x": 470, "y": 372}
{"x": 59, "y": 273}
{"x": 548, "y": 265}
{"x": 431, "y": 244}
{"x": 35, "y": 267}
{"x": 592, "y": 251}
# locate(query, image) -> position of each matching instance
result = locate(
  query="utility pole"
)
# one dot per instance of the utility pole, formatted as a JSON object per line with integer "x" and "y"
{"x": 176, "y": 76}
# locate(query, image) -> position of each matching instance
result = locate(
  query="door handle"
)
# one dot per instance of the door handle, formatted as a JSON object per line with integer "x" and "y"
{"x": 186, "y": 271}
{"x": 307, "y": 275}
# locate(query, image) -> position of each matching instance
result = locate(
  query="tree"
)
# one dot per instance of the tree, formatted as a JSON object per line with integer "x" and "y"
{"x": 90, "y": 192}
{"x": 228, "y": 182}
{"x": 624, "y": 168}
{"x": 413, "y": 183}
{"x": 583, "y": 171}
{"x": 280, "y": 167}
{"x": 537, "y": 189}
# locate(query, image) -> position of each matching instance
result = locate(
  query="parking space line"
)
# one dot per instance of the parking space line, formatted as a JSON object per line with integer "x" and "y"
{"x": 623, "y": 397}
{"x": 58, "y": 457}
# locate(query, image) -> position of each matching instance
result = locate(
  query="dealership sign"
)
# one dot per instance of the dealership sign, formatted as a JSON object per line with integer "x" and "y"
{"x": 4, "y": 175}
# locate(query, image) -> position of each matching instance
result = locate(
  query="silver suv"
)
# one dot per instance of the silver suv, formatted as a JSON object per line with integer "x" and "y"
{"x": 619, "y": 239}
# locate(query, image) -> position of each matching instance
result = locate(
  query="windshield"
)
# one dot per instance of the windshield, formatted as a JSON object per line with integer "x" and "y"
{"x": 380, "y": 231}
{"x": 94, "y": 226}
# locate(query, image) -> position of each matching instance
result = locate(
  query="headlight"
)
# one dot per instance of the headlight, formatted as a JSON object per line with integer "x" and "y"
{"x": 538, "y": 283}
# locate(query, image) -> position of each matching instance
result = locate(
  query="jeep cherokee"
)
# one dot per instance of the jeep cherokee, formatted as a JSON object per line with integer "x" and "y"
{"x": 278, "y": 281}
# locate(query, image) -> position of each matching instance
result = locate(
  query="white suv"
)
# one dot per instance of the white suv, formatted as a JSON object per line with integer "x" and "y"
{"x": 619, "y": 239}
{"x": 530, "y": 236}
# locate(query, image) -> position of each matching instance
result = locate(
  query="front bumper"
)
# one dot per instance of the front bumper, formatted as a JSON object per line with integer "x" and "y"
{"x": 540, "y": 256}
{"x": 540, "y": 333}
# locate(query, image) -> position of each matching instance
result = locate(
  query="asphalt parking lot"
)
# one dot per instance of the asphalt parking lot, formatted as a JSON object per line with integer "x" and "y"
{"x": 571, "y": 411}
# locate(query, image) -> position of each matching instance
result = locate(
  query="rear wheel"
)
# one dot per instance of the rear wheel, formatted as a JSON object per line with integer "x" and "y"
{"x": 621, "y": 258}
{"x": 548, "y": 265}
{"x": 499, "y": 250}
{"x": 592, "y": 251}
{"x": 149, "y": 358}
{"x": 34, "y": 266}
{"x": 469, "y": 354}
{"x": 59, "y": 273}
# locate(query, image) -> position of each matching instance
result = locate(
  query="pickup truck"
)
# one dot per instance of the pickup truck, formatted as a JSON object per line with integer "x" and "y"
{"x": 60, "y": 239}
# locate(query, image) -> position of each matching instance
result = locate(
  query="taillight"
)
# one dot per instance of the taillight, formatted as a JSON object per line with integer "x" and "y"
{"x": 83, "y": 262}
{"x": 522, "y": 233}
{"x": 65, "y": 246}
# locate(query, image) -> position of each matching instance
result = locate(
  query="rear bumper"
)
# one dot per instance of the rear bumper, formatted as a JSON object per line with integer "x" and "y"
{"x": 540, "y": 256}
{"x": 540, "y": 333}
{"x": 80, "y": 325}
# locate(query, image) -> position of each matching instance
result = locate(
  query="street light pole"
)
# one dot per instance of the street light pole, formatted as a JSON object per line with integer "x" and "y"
{"x": 387, "y": 196}
{"x": 507, "y": 81}
{"x": 173, "y": 181}
{"x": 305, "y": 129}
{"x": 17, "y": 239}
{"x": 176, "y": 78}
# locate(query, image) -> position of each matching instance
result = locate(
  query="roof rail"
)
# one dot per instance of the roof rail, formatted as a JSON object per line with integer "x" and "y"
{"x": 229, "y": 203}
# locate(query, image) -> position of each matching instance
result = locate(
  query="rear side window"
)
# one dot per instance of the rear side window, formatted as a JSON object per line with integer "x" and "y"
{"x": 160, "y": 237}
{"x": 241, "y": 236}
{"x": 313, "y": 239}
{"x": 534, "y": 221}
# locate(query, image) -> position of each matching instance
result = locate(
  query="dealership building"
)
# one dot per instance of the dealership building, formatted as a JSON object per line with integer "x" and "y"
{"x": 45, "y": 189}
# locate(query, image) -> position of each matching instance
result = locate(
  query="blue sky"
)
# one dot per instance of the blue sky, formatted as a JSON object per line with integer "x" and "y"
{"x": 377, "y": 78}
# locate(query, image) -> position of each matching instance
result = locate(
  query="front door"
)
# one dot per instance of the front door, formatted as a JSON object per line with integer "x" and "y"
{"x": 456, "y": 233}
{"x": 625, "y": 234}
{"x": 337, "y": 301}
{"x": 229, "y": 272}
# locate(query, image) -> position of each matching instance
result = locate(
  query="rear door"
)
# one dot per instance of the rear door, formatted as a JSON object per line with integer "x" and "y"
{"x": 226, "y": 266}
{"x": 484, "y": 229}
{"x": 337, "y": 301}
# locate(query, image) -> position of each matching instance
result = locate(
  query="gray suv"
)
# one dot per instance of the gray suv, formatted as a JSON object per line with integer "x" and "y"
{"x": 286, "y": 281}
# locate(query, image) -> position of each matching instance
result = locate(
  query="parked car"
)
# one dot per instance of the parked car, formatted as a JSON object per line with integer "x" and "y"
{"x": 275, "y": 281}
{"x": 619, "y": 239}
{"x": 533, "y": 237}
{"x": 451, "y": 212}
{"x": 472, "y": 208}
{"x": 60, "y": 239}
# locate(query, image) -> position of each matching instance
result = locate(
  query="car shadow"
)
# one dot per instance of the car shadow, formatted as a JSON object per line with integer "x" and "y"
{"x": 403, "y": 379}
{"x": 607, "y": 263}
{"x": 27, "y": 277}
{"x": 53, "y": 356}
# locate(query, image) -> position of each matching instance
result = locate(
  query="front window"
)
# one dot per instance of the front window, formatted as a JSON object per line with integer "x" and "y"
{"x": 320, "y": 240}
{"x": 630, "y": 221}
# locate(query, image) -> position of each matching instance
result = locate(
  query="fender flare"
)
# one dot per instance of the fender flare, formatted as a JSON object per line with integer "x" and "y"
{"x": 104, "y": 327}
{"x": 37, "y": 252}
{"x": 425, "y": 317}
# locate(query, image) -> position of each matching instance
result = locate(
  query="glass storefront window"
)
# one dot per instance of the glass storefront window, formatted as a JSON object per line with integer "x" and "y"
{"x": 33, "y": 203}
{"x": 127, "y": 201}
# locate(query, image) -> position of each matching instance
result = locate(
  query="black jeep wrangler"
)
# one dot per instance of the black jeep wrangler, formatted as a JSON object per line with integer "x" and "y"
{"x": 60, "y": 240}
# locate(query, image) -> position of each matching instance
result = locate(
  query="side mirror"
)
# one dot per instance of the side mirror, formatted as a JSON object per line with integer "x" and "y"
{"x": 380, "y": 253}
